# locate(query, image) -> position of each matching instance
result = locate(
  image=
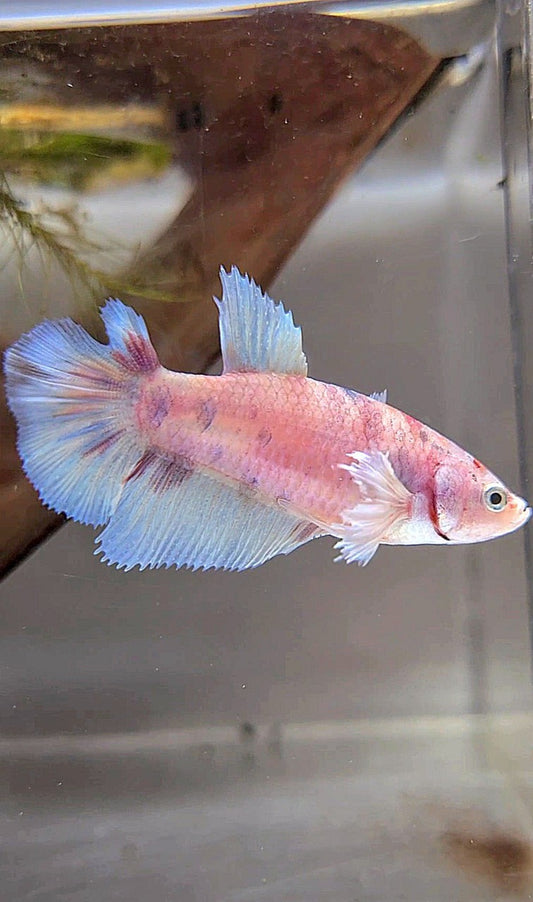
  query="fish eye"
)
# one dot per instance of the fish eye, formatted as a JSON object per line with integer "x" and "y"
{"x": 495, "y": 498}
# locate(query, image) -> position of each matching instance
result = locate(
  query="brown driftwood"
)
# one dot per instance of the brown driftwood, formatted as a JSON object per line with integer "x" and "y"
{"x": 268, "y": 114}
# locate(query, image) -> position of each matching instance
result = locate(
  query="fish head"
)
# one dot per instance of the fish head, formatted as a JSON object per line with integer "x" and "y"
{"x": 471, "y": 504}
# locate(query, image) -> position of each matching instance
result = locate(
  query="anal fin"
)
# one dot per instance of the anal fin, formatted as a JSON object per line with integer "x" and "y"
{"x": 171, "y": 514}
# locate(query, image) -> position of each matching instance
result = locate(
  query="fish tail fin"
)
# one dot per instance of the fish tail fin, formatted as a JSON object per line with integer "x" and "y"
{"x": 73, "y": 399}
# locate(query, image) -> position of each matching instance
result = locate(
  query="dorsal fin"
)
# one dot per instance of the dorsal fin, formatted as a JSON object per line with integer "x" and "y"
{"x": 256, "y": 335}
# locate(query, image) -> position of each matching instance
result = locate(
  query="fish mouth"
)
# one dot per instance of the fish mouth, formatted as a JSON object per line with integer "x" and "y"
{"x": 523, "y": 511}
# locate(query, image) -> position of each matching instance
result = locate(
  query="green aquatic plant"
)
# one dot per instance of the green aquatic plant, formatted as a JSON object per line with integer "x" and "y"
{"x": 58, "y": 236}
{"x": 43, "y": 145}
{"x": 79, "y": 162}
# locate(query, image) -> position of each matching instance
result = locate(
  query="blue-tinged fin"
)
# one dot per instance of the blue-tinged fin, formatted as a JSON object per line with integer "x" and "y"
{"x": 379, "y": 396}
{"x": 256, "y": 335}
{"x": 171, "y": 514}
{"x": 121, "y": 322}
{"x": 73, "y": 398}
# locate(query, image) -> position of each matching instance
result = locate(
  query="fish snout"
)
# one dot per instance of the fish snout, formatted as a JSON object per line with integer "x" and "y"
{"x": 520, "y": 510}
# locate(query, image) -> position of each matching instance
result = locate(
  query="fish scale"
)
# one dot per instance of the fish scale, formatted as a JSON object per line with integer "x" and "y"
{"x": 334, "y": 424}
{"x": 298, "y": 464}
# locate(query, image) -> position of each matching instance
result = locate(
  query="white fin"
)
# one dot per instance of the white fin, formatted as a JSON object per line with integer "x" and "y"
{"x": 379, "y": 396}
{"x": 170, "y": 514}
{"x": 256, "y": 335}
{"x": 385, "y": 500}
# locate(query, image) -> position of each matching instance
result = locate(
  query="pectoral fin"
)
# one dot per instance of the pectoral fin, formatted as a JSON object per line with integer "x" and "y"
{"x": 385, "y": 500}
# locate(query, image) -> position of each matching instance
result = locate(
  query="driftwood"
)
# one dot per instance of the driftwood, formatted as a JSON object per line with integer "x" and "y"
{"x": 267, "y": 114}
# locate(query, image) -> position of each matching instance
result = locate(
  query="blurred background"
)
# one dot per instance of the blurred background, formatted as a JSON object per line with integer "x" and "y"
{"x": 309, "y": 730}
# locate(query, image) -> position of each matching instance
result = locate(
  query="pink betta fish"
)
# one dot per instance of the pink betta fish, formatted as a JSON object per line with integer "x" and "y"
{"x": 228, "y": 471}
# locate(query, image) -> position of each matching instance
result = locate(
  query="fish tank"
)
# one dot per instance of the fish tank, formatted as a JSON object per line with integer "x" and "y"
{"x": 307, "y": 730}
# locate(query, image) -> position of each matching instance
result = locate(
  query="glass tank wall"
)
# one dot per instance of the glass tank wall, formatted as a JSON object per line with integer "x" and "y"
{"x": 308, "y": 730}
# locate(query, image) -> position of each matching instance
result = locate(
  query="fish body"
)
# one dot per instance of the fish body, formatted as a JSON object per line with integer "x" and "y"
{"x": 227, "y": 471}
{"x": 283, "y": 436}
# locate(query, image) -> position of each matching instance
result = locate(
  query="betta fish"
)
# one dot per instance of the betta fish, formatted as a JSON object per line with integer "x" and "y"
{"x": 228, "y": 471}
